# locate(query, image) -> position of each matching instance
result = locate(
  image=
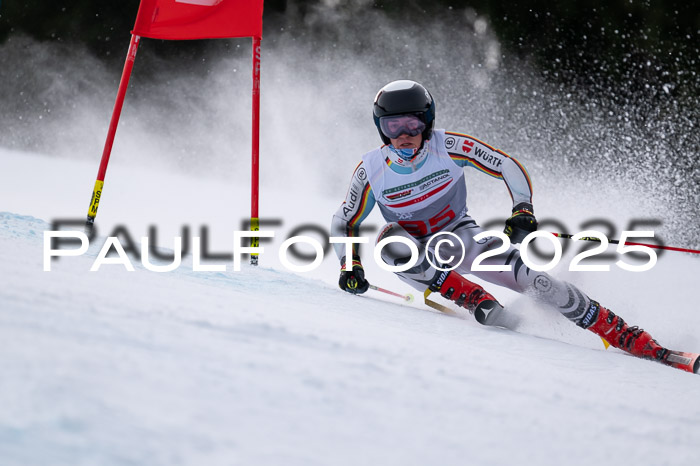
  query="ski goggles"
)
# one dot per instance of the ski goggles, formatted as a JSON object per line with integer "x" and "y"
{"x": 396, "y": 125}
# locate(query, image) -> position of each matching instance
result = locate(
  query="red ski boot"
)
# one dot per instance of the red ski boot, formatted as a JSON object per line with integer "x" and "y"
{"x": 634, "y": 340}
{"x": 468, "y": 295}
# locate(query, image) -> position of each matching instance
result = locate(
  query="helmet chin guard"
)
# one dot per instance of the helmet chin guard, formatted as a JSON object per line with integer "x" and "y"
{"x": 405, "y": 97}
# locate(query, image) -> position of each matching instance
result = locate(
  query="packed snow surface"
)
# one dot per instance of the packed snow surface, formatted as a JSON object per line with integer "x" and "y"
{"x": 268, "y": 367}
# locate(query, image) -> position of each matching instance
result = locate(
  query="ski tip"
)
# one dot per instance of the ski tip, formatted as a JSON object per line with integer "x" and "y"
{"x": 487, "y": 311}
{"x": 689, "y": 362}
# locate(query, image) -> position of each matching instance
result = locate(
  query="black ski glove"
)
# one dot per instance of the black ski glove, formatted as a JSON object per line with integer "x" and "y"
{"x": 521, "y": 223}
{"x": 354, "y": 281}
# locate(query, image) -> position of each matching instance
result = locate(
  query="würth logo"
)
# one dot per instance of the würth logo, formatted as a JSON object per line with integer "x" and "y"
{"x": 467, "y": 146}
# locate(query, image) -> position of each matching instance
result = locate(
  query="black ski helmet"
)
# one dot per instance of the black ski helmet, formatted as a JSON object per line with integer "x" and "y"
{"x": 401, "y": 97}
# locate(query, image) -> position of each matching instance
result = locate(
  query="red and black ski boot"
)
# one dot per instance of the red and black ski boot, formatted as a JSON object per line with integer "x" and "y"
{"x": 634, "y": 340}
{"x": 485, "y": 308}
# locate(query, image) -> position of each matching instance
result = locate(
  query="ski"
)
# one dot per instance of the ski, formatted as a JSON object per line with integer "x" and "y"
{"x": 689, "y": 362}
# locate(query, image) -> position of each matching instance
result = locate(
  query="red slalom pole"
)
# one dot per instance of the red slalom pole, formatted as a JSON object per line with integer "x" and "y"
{"x": 121, "y": 93}
{"x": 255, "y": 156}
{"x": 614, "y": 241}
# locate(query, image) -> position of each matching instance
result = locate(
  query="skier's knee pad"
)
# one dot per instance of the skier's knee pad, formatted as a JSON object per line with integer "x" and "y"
{"x": 396, "y": 253}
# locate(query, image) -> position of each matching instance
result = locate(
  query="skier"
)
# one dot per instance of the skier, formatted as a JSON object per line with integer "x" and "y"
{"x": 417, "y": 179}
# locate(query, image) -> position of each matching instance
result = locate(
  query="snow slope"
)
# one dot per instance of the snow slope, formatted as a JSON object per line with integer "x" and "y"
{"x": 266, "y": 367}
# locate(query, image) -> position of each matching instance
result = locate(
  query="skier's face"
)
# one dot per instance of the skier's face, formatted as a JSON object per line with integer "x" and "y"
{"x": 407, "y": 142}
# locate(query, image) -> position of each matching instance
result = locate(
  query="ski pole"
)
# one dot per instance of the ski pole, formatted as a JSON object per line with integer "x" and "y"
{"x": 406, "y": 297}
{"x": 614, "y": 241}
